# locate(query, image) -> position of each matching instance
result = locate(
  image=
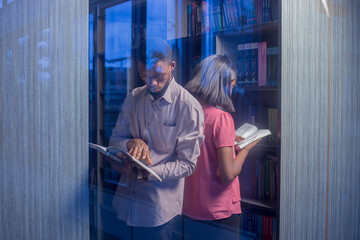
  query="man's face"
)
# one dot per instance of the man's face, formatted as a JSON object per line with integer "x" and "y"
{"x": 157, "y": 76}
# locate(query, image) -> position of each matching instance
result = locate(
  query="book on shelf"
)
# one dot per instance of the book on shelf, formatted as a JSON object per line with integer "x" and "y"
{"x": 266, "y": 179}
{"x": 263, "y": 226}
{"x": 272, "y": 69}
{"x": 112, "y": 152}
{"x": 250, "y": 133}
{"x": 218, "y": 15}
{"x": 251, "y": 64}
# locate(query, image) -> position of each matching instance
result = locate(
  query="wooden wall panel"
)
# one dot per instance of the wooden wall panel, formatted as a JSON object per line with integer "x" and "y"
{"x": 344, "y": 158}
{"x": 304, "y": 120}
{"x": 44, "y": 119}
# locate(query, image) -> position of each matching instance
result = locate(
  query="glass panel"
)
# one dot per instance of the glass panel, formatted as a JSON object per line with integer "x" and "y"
{"x": 247, "y": 33}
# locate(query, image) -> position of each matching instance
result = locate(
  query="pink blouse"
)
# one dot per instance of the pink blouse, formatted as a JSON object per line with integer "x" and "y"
{"x": 206, "y": 197}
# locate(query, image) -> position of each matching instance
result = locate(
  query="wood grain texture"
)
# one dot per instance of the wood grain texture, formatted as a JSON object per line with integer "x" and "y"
{"x": 44, "y": 120}
{"x": 344, "y": 175}
{"x": 304, "y": 121}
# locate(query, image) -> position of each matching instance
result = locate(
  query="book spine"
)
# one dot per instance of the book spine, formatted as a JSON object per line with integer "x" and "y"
{"x": 251, "y": 19}
{"x": 276, "y": 77}
{"x": 254, "y": 63}
{"x": 272, "y": 179}
{"x": 240, "y": 63}
{"x": 189, "y": 19}
{"x": 270, "y": 229}
{"x": 205, "y": 16}
{"x": 274, "y": 230}
{"x": 269, "y": 65}
{"x": 264, "y": 231}
{"x": 262, "y": 57}
{"x": 247, "y": 62}
{"x": 260, "y": 226}
{"x": 235, "y": 13}
{"x": 198, "y": 19}
{"x": 219, "y": 16}
{"x": 261, "y": 181}
{"x": 257, "y": 179}
{"x": 193, "y": 20}
{"x": 226, "y": 18}
{"x": 241, "y": 13}
{"x": 267, "y": 178}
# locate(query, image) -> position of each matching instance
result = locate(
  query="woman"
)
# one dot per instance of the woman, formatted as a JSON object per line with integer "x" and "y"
{"x": 212, "y": 192}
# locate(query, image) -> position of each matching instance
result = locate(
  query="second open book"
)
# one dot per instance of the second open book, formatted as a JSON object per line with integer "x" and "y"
{"x": 251, "y": 133}
{"x": 111, "y": 152}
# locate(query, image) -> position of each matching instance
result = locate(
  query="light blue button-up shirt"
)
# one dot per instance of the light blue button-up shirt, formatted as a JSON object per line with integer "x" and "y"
{"x": 172, "y": 126}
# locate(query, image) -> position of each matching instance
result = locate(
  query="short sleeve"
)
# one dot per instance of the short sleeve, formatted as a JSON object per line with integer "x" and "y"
{"x": 224, "y": 130}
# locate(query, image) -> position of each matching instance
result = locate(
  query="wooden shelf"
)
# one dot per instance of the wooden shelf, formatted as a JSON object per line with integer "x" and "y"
{"x": 266, "y": 204}
{"x": 267, "y": 147}
{"x": 267, "y": 27}
{"x": 264, "y": 28}
{"x": 256, "y": 88}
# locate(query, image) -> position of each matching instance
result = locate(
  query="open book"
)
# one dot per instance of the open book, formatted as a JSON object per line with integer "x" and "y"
{"x": 111, "y": 152}
{"x": 251, "y": 133}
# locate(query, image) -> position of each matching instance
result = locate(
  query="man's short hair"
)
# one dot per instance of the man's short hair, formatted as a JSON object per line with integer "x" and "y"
{"x": 153, "y": 50}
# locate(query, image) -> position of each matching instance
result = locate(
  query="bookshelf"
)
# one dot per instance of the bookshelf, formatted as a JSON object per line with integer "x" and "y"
{"x": 250, "y": 36}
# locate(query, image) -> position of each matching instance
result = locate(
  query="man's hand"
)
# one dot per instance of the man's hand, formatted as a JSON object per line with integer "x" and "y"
{"x": 140, "y": 150}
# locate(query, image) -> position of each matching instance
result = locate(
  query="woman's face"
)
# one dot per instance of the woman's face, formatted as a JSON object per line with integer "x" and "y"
{"x": 232, "y": 85}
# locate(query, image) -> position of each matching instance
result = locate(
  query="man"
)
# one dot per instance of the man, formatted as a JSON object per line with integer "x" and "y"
{"x": 160, "y": 124}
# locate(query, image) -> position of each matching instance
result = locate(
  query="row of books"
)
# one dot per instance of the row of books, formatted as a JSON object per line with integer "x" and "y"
{"x": 217, "y": 15}
{"x": 262, "y": 117}
{"x": 266, "y": 178}
{"x": 257, "y": 64}
{"x": 264, "y": 227}
{"x": 260, "y": 179}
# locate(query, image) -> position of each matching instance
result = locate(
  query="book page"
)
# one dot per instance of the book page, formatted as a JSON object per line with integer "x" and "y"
{"x": 111, "y": 152}
{"x": 116, "y": 150}
{"x": 245, "y": 130}
{"x": 255, "y": 136}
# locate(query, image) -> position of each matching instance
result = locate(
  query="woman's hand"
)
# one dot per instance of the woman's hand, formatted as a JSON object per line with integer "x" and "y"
{"x": 239, "y": 138}
{"x": 251, "y": 145}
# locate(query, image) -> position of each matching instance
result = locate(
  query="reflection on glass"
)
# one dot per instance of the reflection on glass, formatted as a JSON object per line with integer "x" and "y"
{"x": 43, "y": 58}
{"x": 117, "y": 61}
{"x": 92, "y": 83}
{"x": 156, "y": 19}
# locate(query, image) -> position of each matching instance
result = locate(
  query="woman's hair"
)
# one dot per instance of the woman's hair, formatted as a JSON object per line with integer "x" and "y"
{"x": 211, "y": 81}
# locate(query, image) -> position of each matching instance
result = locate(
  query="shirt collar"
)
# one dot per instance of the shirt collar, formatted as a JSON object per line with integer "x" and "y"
{"x": 169, "y": 93}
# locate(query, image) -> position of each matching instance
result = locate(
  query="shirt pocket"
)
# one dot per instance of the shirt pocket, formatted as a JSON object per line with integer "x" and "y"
{"x": 164, "y": 136}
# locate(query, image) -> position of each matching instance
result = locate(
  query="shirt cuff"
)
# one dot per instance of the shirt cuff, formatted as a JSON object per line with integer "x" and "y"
{"x": 157, "y": 170}
{"x": 123, "y": 143}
